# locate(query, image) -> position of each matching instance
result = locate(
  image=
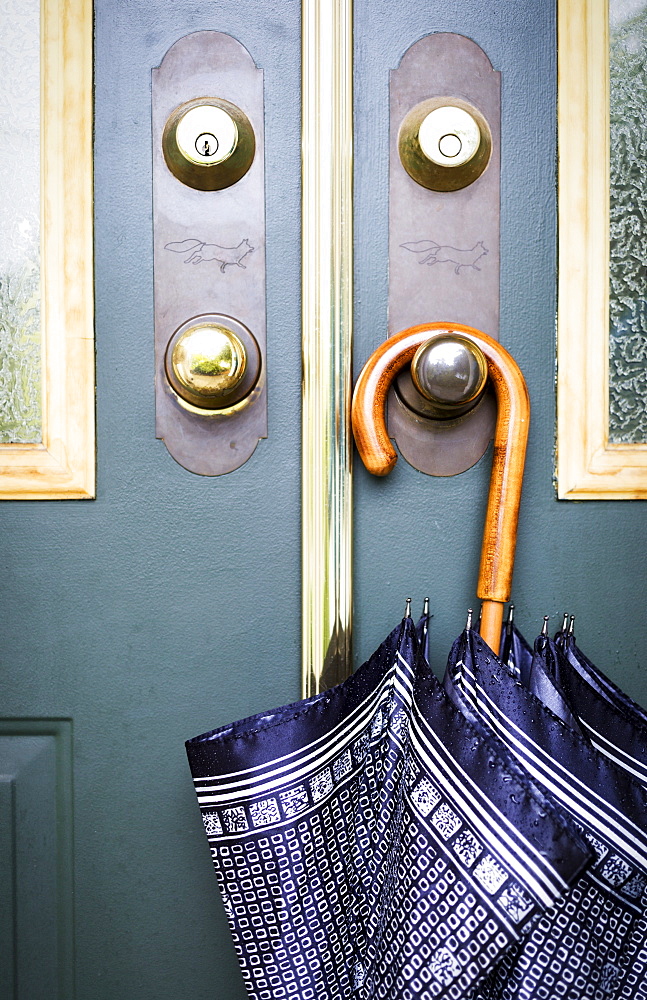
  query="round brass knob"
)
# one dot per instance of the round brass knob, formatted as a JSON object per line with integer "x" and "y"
{"x": 449, "y": 371}
{"x": 444, "y": 143}
{"x": 448, "y": 376}
{"x": 212, "y": 365}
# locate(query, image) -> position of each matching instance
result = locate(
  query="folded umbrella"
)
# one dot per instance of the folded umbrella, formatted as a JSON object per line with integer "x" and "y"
{"x": 370, "y": 842}
{"x": 380, "y": 842}
{"x": 592, "y": 942}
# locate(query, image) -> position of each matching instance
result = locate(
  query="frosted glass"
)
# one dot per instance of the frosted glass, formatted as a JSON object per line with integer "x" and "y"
{"x": 20, "y": 337}
{"x": 628, "y": 222}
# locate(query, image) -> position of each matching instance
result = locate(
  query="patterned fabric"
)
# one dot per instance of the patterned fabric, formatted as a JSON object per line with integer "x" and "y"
{"x": 599, "y": 681}
{"x": 369, "y": 842}
{"x": 592, "y": 942}
{"x": 615, "y": 724}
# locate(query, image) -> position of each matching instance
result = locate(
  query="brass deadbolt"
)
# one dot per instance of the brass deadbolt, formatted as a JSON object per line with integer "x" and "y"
{"x": 208, "y": 143}
{"x": 448, "y": 376}
{"x": 444, "y": 144}
{"x": 212, "y": 362}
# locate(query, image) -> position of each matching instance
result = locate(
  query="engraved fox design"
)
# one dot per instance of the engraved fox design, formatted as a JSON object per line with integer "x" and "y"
{"x": 431, "y": 252}
{"x": 198, "y": 251}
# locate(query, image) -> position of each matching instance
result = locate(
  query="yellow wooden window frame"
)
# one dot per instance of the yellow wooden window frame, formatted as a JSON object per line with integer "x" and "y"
{"x": 63, "y": 465}
{"x": 589, "y": 466}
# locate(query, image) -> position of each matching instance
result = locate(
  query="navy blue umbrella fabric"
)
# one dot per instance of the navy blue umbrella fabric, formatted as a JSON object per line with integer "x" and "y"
{"x": 515, "y": 652}
{"x": 568, "y": 683}
{"x": 540, "y": 679}
{"x": 614, "y": 723}
{"x": 592, "y": 942}
{"x": 599, "y": 682}
{"x": 370, "y": 842}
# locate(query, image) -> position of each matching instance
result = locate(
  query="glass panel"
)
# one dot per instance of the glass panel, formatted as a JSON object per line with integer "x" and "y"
{"x": 20, "y": 339}
{"x": 628, "y": 222}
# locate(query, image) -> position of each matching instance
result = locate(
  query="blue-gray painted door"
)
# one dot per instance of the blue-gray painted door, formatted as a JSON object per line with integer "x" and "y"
{"x": 170, "y": 604}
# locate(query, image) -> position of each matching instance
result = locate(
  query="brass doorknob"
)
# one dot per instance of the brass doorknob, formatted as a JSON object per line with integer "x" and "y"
{"x": 212, "y": 362}
{"x": 450, "y": 373}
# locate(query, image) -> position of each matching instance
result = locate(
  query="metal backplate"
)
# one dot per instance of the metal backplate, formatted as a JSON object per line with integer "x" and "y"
{"x": 444, "y": 245}
{"x": 209, "y": 250}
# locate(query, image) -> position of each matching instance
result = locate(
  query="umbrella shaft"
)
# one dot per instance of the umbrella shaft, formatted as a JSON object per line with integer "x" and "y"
{"x": 491, "y": 622}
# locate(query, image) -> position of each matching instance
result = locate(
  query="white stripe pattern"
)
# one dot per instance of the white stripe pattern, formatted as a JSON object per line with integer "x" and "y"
{"x": 300, "y": 764}
{"x": 616, "y": 754}
{"x": 580, "y": 800}
{"x": 496, "y": 829}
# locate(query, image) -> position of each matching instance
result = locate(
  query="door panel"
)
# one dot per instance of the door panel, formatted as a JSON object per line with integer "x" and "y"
{"x": 170, "y": 605}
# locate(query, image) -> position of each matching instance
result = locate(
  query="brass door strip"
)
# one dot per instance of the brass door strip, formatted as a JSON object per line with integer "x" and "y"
{"x": 327, "y": 284}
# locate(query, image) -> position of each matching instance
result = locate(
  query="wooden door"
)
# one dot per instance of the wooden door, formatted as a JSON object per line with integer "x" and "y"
{"x": 170, "y": 605}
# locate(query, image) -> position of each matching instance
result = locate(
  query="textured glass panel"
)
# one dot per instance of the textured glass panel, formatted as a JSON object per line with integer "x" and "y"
{"x": 628, "y": 232}
{"x": 20, "y": 340}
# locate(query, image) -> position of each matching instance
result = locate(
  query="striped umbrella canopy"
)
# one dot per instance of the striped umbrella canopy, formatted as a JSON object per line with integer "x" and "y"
{"x": 592, "y": 942}
{"x": 375, "y": 842}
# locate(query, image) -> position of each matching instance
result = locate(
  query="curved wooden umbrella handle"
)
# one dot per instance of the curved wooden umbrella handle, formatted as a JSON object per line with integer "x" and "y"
{"x": 510, "y": 437}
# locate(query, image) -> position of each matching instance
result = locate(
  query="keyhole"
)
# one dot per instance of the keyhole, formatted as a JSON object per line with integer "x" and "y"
{"x": 450, "y": 145}
{"x": 206, "y": 144}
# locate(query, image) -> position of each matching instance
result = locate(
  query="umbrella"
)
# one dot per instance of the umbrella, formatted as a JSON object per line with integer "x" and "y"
{"x": 371, "y": 842}
{"x": 590, "y": 944}
{"x": 594, "y": 677}
{"x": 568, "y": 683}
